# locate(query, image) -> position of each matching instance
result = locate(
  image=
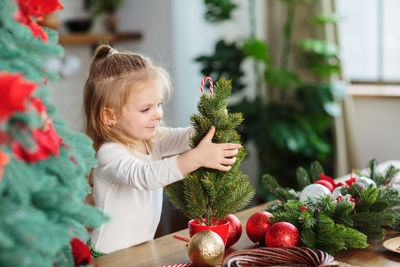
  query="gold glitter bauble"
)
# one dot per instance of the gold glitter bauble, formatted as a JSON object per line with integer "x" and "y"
{"x": 206, "y": 248}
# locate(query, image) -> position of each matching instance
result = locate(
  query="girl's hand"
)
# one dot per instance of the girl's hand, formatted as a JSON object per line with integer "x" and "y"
{"x": 216, "y": 156}
{"x": 209, "y": 155}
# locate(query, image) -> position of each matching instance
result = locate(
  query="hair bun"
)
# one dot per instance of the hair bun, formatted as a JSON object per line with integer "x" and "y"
{"x": 101, "y": 52}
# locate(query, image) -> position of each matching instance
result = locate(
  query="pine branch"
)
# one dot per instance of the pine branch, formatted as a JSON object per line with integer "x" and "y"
{"x": 308, "y": 237}
{"x": 372, "y": 223}
{"x": 194, "y": 198}
{"x": 175, "y": 195}
{"x": 315, "y": 170}
{"x": 389, "y": 195}
{"x": 372, "y": 169}
{"x": 302, "y": 178}
{"x": 384, "y": 178}
{"x": 390, "y": 173}
{"x": 270, "y": 184}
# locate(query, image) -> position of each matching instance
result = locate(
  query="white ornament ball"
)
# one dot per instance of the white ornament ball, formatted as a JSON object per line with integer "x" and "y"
{"x": 314, "y": 191}
{"x": 336, "y": 192}
{"x": 364, "y": 182}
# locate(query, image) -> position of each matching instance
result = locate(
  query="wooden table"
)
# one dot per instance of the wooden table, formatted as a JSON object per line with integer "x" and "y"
{"x": 167, "y": 250}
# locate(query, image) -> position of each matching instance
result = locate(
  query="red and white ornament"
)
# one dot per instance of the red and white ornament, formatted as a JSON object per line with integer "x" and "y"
{"x": 328, "y": 182}
{"x": 314, "y": 191}
{"x": 235, "y": 230}
{"x": 325, "y": 183}
{"x": 257, "y": 226}
{"x": 282, "y": 234}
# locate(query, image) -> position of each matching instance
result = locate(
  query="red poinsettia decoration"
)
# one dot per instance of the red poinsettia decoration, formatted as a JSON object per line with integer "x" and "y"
{"x": 46, "y": 138}
{"x": 14, "y": 91}
{"x": 4, "y": 159}
{"x": 36, "y": 9}
{"x": 81, "y": 252}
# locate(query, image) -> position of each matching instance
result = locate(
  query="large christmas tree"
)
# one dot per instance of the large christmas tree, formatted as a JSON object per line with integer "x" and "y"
{"x": 208, "y": 193}
{"x": 42, "y": 163}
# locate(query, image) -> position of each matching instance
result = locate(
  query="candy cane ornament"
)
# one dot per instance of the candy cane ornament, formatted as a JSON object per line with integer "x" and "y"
{"x": 183, "y": 238}
{"x": 211, "y": 85}
{"x": 179, "y": 265}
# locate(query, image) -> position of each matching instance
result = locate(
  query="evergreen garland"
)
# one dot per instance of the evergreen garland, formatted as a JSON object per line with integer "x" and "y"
{"x": 41, "y": 201}
{"x": 335, "y": 224}
{"x": 208, "y": 193}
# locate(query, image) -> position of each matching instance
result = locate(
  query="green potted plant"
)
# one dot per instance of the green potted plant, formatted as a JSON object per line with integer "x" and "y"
{"x": 294, "y": 126}
{"x": 109, "y": 8}
{"x": 208, "y": 196}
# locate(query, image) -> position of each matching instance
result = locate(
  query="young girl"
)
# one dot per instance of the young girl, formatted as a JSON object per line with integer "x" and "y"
{"x": 123, "y": 99}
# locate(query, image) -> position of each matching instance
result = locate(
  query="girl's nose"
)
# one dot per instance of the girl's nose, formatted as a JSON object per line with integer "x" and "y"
{"x": 158, "y": 115}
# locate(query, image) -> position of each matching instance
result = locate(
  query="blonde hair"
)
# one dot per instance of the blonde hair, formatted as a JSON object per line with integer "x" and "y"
{"x": 112, "y": 77}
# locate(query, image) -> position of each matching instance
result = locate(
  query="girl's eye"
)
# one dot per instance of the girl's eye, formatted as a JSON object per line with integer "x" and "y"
{"x": 145, "y": 110}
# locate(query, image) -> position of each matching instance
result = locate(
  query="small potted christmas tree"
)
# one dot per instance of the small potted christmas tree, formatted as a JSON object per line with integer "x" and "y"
{"x": 207, "y": 196}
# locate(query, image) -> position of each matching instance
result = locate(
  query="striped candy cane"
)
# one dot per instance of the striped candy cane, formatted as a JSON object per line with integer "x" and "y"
{"x": 179, "y": 265}
{"x": 211, "y": 85}
{"x": 183, "y": 238}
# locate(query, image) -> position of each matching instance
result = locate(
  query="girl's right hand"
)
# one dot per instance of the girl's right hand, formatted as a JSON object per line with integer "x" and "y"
{"x": 216, "y": 156}
{"x": 209, "y": 155}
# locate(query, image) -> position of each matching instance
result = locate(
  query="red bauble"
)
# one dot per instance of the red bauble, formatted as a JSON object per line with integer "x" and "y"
{"x": 325, "y": 183}
{"x": 257, "y": 226}
{"x": 282, "y": 234}
{"x": 235, "y": 230}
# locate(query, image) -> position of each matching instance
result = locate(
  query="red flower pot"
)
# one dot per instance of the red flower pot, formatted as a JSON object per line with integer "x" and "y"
{"x": 222, "y": 228}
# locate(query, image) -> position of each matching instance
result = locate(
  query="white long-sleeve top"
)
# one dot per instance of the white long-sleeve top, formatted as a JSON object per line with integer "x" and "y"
{"x": 128, "y": 188}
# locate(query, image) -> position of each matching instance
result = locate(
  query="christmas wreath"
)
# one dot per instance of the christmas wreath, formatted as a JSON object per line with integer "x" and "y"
{"x": 336, "y": 216}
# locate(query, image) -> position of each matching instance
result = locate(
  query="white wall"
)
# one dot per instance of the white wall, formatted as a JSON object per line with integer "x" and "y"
{"x": 191, "y": 36}
{"x": 377, "y": 129}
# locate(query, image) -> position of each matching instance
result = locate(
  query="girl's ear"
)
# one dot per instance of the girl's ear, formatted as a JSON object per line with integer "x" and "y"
{"x": 108, "y": 116}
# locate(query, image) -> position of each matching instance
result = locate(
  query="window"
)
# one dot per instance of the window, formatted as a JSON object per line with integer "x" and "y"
{"x": 370, "y": 40}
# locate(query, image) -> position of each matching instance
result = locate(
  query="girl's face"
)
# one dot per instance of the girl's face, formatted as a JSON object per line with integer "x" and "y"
{"x": 143, "y": 111}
